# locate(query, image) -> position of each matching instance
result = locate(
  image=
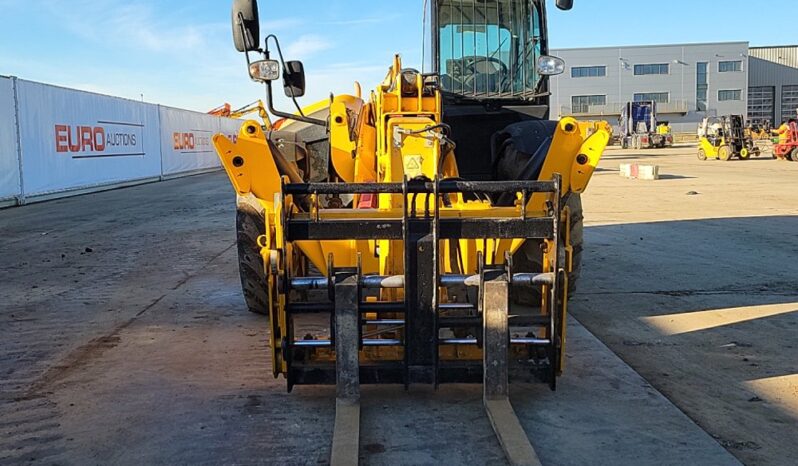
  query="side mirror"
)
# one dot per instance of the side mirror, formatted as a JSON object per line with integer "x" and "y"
{"x": 246, "y": 25}
{"x": 294, "y": 79}
{"x": 550, "y": 66}
{"x": 565, "y": 4}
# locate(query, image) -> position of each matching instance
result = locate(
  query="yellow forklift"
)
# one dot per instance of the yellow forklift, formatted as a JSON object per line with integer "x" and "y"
{"x": 724, "y": 138}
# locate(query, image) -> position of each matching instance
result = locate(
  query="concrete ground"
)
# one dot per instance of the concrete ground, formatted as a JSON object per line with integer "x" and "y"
{"x": 691, "y": 280}
{"x": 123, "y": 338}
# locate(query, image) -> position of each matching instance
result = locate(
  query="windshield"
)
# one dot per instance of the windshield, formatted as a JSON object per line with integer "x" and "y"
{"x": 489, "y": 48}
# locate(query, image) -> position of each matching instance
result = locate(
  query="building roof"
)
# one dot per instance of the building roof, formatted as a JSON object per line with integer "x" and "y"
{"x": 696, "y": 44}
{"x": 760, "y": 47}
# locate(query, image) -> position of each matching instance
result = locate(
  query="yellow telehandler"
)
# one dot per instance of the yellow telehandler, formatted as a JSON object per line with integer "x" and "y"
{"x": 386, "y": 237}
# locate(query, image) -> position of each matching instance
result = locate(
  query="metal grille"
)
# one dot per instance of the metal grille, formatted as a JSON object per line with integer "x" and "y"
{"x": 489, "y": 48}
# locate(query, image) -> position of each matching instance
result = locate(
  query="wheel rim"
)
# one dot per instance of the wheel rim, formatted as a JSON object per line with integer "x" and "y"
{"x": 701, "y": 154}
{"x": 724, "y": 153}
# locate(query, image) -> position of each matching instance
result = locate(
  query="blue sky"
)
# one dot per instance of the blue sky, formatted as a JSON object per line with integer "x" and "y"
{"x": 180, "y": 53}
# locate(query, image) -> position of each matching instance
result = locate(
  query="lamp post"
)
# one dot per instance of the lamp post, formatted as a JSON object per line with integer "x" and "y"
{"x": 684, "y": 64}
{"x": 624, "y": 65}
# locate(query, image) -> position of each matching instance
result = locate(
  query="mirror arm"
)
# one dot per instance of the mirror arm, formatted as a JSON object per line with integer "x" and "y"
{"x": 290, "y": 116}
{"x": 244, "y": 35}
{"x": 270, "y": 97}
{"x": 282, "y": 63}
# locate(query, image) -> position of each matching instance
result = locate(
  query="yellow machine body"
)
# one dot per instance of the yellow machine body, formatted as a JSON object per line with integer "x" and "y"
{"x": 394, "y": 136}
{"x": 719, "y": 150}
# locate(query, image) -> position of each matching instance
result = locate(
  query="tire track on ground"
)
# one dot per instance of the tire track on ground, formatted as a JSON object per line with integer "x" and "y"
{"x": 80, "y": 271}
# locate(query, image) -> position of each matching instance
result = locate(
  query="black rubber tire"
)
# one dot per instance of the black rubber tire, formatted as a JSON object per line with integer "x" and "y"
{"x": 528, "y": 258}
{"x": 577, "y": 239}
{"x": 725, "y": 153}
{"x": 250, "y": 224}
{"x": 510, "y": 164}
{"x": 701, "y": 154}
{"x": 794, "y": 155}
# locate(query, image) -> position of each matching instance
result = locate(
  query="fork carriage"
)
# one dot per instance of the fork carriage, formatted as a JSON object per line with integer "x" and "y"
{"x": 432, "y": 323}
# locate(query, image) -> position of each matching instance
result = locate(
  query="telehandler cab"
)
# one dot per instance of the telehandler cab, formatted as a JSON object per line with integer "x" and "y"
{"x": 401, "y": 224}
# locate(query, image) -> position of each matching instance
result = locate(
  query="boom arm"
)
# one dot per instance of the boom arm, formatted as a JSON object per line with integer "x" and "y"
{"x": 257, "y": 106}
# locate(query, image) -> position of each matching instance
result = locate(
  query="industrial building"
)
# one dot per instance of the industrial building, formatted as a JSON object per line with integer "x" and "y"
{"x": 688, "y": 82}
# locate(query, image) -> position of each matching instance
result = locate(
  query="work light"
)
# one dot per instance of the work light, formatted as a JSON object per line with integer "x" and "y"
{"x": 265, "y": 70}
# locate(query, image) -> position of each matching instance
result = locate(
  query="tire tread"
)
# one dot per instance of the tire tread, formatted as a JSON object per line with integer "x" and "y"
{"x": 250, "y": 224}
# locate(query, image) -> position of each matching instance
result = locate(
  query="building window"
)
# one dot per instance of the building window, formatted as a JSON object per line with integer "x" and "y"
{"x": 729, "y": 66}
{"x": 588, "y": 71}
{"x": 657, "y": 68}
{"x": 582, "y": 103}
{"x": 658, "y": 97}
{"x": 761, "y": 104}
{"x": 702, "y": 86}
{"x": 725, "y": 95}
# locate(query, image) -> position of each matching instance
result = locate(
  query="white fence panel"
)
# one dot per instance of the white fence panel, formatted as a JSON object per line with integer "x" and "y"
{"x": 186, "y": 140}
{"x": 10, "y": 182}
{"x": 230, "y": 128}
{"x": 73, "y": 139}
